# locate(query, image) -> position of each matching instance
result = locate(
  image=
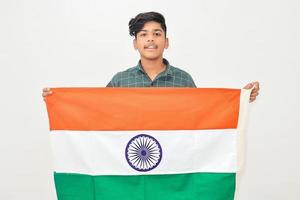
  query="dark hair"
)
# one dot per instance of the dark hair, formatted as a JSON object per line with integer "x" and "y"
{"x": 136, "y": 24}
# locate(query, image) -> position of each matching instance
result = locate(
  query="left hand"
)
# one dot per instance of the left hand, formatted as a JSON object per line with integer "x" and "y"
{"x": 254, "y": 86}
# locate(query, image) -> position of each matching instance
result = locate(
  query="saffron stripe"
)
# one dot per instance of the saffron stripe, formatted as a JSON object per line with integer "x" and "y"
{"x": 143, "y": 108}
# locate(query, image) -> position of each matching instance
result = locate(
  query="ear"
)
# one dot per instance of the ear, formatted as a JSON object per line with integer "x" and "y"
{"x": 135, "y": 44}
{"x": 167, "y": 43}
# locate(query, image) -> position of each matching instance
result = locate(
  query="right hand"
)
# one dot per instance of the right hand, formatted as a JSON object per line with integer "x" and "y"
{"x": 46, "y": 92}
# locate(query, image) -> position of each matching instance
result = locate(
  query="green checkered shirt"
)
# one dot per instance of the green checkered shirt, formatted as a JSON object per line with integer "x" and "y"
{"x": 137, "y": 77}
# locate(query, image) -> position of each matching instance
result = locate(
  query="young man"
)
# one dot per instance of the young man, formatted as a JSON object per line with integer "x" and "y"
{"x": 149, "y": 31}
{"x": 150, "y": 39}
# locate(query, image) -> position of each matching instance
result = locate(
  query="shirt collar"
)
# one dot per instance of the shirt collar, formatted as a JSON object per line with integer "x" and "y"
{"x": 167, "y": 71}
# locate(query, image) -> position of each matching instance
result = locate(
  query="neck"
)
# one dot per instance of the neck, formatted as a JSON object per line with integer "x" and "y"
{"x": 153, "y": 67}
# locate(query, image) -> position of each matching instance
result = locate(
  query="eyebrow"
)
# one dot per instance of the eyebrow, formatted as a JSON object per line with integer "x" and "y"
{"x": 152, "y": 30}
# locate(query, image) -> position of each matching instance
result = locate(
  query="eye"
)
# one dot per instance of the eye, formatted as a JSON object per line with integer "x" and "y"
{"x": 142, "y": 34}
{"x": 158, "y": 34}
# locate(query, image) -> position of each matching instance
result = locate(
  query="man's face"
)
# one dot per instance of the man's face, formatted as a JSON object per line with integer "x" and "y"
{"x": 151, "y": 41}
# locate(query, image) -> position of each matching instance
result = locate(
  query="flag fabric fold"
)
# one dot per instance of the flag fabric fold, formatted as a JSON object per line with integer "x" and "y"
{"x": 146, "y": 143}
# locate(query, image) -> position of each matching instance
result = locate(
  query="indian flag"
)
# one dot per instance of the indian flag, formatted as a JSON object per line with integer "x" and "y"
{"x": 146, "y": 143}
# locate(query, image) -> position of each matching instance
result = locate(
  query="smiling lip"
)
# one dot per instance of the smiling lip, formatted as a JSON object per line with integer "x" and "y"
{"x": 150, "y": 47}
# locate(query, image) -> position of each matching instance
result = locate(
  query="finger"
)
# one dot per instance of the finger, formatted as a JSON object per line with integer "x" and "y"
{"x": 255, "y": 90}
{"x": 256, "y": 85}
{"x": 248, "y": 86}
{"x": 46, "y": 89}
{"x": 251, "y": 100}
{"x": 254, "y": 93}
{"x": 45, "y": 94}
{"x": 252, "y": 97}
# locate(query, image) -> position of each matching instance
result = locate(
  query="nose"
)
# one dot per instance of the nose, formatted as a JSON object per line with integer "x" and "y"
{"x": 150, "y": 38}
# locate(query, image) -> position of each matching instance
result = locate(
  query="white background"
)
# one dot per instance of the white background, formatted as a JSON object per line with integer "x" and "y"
{"x": 84, "y": 43}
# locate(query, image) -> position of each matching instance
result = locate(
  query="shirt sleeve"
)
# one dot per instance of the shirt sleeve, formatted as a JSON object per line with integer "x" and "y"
{"x": 191, "y": 82}
{"x": 109, "y": 84}
{"x": 193, "y": 85}
{"x": 114, "y": 81}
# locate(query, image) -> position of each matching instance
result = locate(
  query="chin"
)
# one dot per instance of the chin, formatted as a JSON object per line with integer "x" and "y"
{"x": 151, "y": 57}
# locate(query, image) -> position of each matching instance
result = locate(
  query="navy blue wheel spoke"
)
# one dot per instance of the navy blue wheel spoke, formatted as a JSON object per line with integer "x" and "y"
{"x": 133, "y": 157}
{"x": 134, "y": 147}
{"x": 147, "y": 161}
{"x": 153, "y": 156}
{"x": 148, "y": 143}
{"x": 152, "y": 159}
{"x": 143, "y": 164}
{"x": 133, "y": 153}
{"x": 138, "y": 161}
{"x": 152, "y": 148}
{"x": 151, "y": 145}
{"x": 138, "y": 144}
{"x": 143, "y": 142}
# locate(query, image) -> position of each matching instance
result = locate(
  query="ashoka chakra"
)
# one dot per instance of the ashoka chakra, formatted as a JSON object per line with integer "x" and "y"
{"x": 143, "y": 153}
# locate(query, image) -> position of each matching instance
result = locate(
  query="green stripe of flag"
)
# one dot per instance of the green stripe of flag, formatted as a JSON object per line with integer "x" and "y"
{"x": 193, "y": 186}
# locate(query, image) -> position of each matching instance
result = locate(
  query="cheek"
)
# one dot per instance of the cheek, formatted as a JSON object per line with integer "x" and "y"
{"x": 161, "y": 42}
{"x": 140, "y": 44}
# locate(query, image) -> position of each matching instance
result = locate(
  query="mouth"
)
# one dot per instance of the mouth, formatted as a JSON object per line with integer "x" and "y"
{"x": 150, "y": 47}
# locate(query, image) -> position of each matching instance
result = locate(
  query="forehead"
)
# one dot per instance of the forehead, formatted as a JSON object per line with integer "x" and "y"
{"x": 152, "y": 26}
